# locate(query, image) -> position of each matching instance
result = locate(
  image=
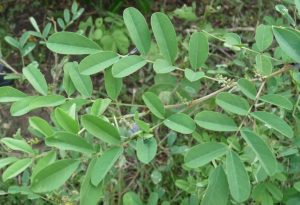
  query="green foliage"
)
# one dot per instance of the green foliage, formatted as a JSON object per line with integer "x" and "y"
{"x": 196, "y": 117}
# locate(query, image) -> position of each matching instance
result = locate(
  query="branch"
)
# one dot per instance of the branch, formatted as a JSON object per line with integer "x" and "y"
{"x": 3, "y": 62}
{"x": 232, "y": 85}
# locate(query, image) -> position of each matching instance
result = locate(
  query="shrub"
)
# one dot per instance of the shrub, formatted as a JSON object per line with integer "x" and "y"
{"x": 221, "y": 136}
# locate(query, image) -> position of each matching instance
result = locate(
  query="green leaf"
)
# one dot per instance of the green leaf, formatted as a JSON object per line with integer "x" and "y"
{"x": 297, "y": 186}
{"x": 81, "y": 82}
{"x": 6, "y": 161}
{"x": 202, "y": 154}
{"x": 165, "y": 35}
{"x": 247, "y": 88}
{"x": 22, "y": 107}
{"x": 101, "y": 129}
{"x": 54, "y": 175}
{"x": 69, "y": 141}
{"x": 163, "y": 66}
{"x": 274, "y": 122}
{"x": 233, "y": 103}
{"x": 70, "y": 43}
{"x": 97, "y": 62}
{"x": 262, "y": 151}
{"x": 19, "y": 145}
{"x": 289, "y": 41}
{"x": 153, "y": 198}
{"x": 36, "y": 78}
{"x": 127, "y": 65}
{"x": 263, "y": 65}
{"x": 13, "y": 42}
{"x": 27, "y": 104}
{"x": 138, "y": 29}
{"x": 274, "y": 191}
{"x": 263, "y": 37}
{"x": 277, "y": 100}
{"x": 41, "y": 126}
{"x": 67, "y": 81}
{"x": 238, "y": 179}
{"x": 215, "y": 121}
{"x": 198, "y": 50}
{"x": 65, "y": 121}
{"x": 113, "y": 86}
{"x": 66, "y": 15}
{"x": 146, "y": 149}
{"x": 131, "y": 198}
{"x": 48, "y": 159}
{"x": 99, "y": 106}
{"x": 90, "y": 194}
{"x": 285, "y": 13}
{"x": 154, "y": 104}
{"x": 16, "y": 168}
{"x": 181, "y": 123}
{"x": 34, "y": 24}
{"x": 10, "y": 94}
{"x": 232, "y": 41}
{"x": 193, "y": 76}
{"x": 217, "y": 192}
{"x": 104, "y": 163}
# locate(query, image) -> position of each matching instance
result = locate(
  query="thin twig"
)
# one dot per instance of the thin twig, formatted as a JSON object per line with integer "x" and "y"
{"x": 3, "y": 62}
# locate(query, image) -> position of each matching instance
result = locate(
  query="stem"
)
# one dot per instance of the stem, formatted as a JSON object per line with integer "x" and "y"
{"x": 3, "y": 62}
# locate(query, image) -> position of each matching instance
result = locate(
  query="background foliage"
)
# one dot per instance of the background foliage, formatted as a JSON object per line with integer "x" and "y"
{"x": 116, "y": 102}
